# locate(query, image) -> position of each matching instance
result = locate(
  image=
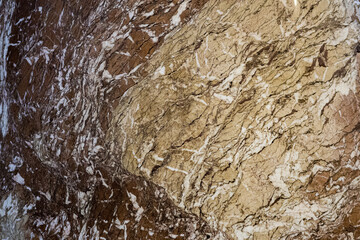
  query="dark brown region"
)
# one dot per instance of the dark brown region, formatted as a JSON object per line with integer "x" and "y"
{"x": 57, "y": 41}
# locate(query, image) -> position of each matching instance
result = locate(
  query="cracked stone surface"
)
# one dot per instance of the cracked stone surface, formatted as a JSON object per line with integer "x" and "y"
{"x": 179, "y": 119}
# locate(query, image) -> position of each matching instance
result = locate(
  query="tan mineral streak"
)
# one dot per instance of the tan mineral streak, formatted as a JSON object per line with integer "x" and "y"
{"x": 249, "y": 113}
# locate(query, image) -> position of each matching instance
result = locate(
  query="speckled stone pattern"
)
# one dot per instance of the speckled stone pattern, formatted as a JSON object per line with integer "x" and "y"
{"x": 179, "y": 119}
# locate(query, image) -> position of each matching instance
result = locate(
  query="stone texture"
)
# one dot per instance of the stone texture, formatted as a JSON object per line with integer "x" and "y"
{"x": 55, "y": 109}
{"x": 179, "y": 119}
{"x": 249, "y": 118}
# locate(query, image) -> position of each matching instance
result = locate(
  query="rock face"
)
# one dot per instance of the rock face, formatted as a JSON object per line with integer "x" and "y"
{"x": 180, "y": 119}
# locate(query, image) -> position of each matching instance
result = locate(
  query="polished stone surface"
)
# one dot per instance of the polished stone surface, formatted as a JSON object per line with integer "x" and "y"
{"x": 180, "y": 119}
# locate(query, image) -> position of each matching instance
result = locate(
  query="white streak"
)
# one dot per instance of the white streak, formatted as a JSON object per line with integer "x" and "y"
{"x": 4, "y": 45}
{"x": 175, "y": 20}
{"x": 177, "y": 170}
{"x": 19, "y": 179}
{"x": 197, "y": 60}
{"x": 227, "y": 99}
{"x": 149, "y": 14}
{"x": 135, "y": 204}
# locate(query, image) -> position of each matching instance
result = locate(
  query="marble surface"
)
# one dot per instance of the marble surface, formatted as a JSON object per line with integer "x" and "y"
{"x": 56, "y": 104}
{"x": 249, "y": 117}
{"x": 180, "y": 119}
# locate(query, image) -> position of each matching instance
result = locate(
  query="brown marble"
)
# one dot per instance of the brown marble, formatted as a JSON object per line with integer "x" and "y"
{"x": 179, "y": 119}
{"x": 53, "y": 183}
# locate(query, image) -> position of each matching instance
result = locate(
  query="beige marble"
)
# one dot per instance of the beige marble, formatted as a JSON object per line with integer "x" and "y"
{"x": 249, "y": 117}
